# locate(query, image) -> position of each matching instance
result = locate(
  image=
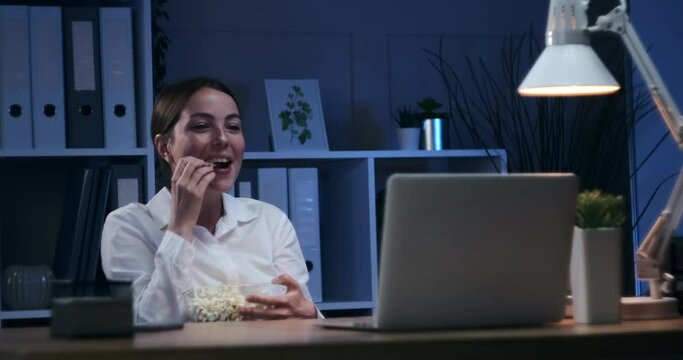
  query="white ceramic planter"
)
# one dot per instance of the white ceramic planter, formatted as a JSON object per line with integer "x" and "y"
{"x": 595, "y": 275}
{"x": 409, "y": 138}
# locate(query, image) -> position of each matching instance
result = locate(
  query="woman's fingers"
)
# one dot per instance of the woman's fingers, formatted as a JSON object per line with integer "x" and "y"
{"x": 287, "y": 281}
{"x": 190, "y": 179}
{"x": 271, "y": 307}
{"x": 190, "y": 171}
{"x": 272, "y": 301}
{"x": 261, "y": 313}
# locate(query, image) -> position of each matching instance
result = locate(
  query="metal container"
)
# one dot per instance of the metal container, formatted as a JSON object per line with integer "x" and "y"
{"x": 433, "y": 134}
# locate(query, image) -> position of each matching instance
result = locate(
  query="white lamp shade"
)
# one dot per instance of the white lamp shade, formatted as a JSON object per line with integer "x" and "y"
{"x": 568, "y": 70}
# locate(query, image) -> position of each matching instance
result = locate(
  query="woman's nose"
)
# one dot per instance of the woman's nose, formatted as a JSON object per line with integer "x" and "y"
{"x": 220, "y": 136}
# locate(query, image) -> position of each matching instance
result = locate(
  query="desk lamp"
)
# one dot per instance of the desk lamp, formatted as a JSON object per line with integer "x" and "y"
{"x": 568, "y": 66}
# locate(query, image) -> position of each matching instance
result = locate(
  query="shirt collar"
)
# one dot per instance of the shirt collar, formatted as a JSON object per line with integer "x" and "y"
{"x": 234, "y": 210}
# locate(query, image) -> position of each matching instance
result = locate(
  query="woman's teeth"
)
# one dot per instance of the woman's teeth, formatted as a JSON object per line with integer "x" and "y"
{"x": 219, "y": 163}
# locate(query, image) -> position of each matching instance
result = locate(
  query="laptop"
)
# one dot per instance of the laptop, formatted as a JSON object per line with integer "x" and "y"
{"x": 472, "y": 250}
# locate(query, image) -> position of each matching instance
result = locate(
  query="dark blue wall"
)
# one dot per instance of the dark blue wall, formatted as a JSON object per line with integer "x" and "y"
{"x": 366, "y": 54}
{"x": 369, "y": 60}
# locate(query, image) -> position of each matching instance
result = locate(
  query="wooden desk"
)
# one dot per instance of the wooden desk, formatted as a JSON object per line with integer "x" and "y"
{"x": 302, "y": 339}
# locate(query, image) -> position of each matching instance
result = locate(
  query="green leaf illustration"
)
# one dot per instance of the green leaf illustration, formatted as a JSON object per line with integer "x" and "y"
{"x": 296, "y": 115}
{"x": 305, "y": 135}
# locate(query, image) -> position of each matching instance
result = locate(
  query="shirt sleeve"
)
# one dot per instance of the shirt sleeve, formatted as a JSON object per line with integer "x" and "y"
{"x": 160, "y": 271}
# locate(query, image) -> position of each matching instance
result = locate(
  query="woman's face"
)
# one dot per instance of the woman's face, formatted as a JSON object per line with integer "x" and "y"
{"x": 210, "y": 129}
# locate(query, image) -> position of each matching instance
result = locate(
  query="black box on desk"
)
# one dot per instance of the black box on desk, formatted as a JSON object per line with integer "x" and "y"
{"x": 92, "y": 310}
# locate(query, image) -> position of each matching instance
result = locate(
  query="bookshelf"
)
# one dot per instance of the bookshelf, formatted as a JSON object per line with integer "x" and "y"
{"x": 32, "y": 185}
{"x": 33, "y": 182}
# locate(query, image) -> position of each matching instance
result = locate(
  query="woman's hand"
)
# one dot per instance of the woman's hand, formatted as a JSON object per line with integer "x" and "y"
{"x": 292, "y": 304}
{"x": 188, "y": 185}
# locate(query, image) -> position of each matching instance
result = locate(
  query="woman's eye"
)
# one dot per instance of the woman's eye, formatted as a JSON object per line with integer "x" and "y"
{"x": 233, "y": 128}
{"x": 200, "y": 127}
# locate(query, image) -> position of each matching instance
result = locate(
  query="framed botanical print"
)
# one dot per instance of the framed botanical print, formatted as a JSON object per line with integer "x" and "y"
{"x": 296, "y": 114}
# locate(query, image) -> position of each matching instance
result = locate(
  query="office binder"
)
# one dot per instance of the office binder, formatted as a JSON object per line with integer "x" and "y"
{"x": 244, "y": 189}
{"x": 118, "y": 89}
{"x": 84, "y": 121}
{"x": 125, "y": 185}
{"x": 15, "y": 78}
{"x": 88, "y": 226}
{"x": 303, "y": 205}
{"x": 71, "y": 231}
{"x": 312, "y": 258}
{"x": 47, "y": 77}
{"x": 90, "y": 260}
{"x": 272, "y": 187}
{"x": 247, "y": 183}
{"x": 303, "y": 211}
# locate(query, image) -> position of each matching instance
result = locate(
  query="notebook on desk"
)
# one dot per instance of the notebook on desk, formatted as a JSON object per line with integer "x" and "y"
{"x": 472, "y": 250}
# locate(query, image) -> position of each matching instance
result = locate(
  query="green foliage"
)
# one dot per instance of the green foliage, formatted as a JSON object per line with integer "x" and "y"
{"x": 408, "y": 118}
{"x": 597, "y": 210}
{"x": 296, "y": 115}
{"x": 587, "y": 136}
{"x": 428, "y": 107}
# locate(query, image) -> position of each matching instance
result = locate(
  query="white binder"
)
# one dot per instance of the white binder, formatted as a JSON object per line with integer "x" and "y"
{"x": 244, "y": 189}
{"x": 303, "y": 211}
{"x": 118, "y": 85}
{"x": 47, "y": 77}
{"x": 15, "y": 78}
{"x": 312, "y": 258}
{"x": 272, "y": 187}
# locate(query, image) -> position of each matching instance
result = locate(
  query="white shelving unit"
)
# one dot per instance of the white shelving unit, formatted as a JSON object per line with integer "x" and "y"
{"x": 32, "y": 181}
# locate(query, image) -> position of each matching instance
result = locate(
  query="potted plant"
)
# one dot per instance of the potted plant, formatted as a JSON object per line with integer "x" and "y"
{"x": 429, "y": 107}
{"x": 409, "y": 123}
{"x": 595, "y": 210}
{"x": 433, "y": 123}
{"x": 595, "y": 268}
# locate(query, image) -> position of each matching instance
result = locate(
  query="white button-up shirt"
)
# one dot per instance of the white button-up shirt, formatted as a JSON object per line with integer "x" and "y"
{"x": 254, "y": 243}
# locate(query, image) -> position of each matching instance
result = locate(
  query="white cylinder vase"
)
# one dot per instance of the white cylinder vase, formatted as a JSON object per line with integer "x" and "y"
{"x": 595, "y": 275}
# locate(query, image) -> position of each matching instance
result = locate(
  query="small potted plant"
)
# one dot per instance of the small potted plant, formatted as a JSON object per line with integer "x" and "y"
{"x": 595, "y": 268}
{"x": 409, "y": 123}
{"x": 428, "y": 109}
{"x": 595, "y": 210}
{"x": 433, "y": 123}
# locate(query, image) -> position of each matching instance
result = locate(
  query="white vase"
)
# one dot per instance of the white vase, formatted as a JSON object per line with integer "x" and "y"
{"x": 595, "y": 275}
{"x": 409, "y": 138}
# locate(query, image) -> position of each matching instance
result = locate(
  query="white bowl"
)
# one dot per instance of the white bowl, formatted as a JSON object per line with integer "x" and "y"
{"x": 222, "y": 303}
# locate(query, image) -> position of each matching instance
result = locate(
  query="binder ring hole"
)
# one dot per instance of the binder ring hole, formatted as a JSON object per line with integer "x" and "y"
{"x": 49, "y": 110}
{"x": 85, "y": 110}
{"x": 15, "y": 110}
{"x": 120, "y": 110}
{"x": 309, "y": 265}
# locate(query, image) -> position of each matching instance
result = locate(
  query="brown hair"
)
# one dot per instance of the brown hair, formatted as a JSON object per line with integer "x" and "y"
{"x": 170, "y": 102}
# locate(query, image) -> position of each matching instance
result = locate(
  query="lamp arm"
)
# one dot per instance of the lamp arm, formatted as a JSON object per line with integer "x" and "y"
{"x": 651, "y": 254}
{"x": 617, "y": 21}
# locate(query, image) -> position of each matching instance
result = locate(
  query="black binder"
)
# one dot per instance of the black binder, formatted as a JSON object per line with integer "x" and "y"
{"x": 73, "y": 224}
{"x": 90, "y": 254}
{"x": 83, "y": 78}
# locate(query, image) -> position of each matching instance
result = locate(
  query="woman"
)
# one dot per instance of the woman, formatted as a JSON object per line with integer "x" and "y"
{"x": 193, "y": 234}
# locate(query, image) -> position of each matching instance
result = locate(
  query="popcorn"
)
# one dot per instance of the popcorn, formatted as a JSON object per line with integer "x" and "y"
{"x": 219, "y": 303}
